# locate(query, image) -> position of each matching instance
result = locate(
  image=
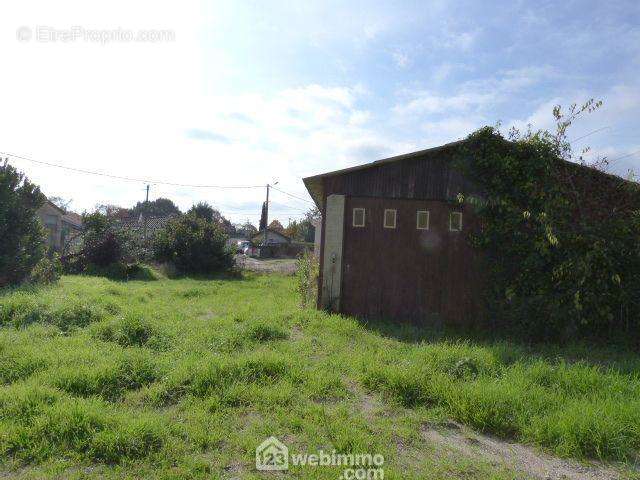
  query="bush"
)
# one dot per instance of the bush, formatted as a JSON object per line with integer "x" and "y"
{"x": 21, "y": 234}
{"x": 193, "y": 245}
{"x": 46, "y": 271}
{"x": 106, "y": 250}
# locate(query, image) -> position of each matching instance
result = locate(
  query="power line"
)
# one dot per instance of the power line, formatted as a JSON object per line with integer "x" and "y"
{"x": 258, "y": 214}
{"x": 128, "y": 179}
{"x": 292, "y": 196}
{"x": 588, "y": 134}
{"x": 144, "y": 180}
{"x": 294, "y": 207}
{"x": 233, "y": 209}
{"x": 624, "y": 156}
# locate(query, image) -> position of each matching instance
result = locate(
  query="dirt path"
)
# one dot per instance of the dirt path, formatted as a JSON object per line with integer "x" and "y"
{"x": 285, "y": 265}
{"x": 463, "y": 441}
{"x": 459, "y": 440}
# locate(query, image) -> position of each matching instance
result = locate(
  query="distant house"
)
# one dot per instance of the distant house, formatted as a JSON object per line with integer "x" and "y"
{"x": 61, "y": 227}
{"x": 273, "y": 238}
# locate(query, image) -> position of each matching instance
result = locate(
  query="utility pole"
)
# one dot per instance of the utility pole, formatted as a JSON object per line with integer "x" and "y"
{"x": 146, "y": 206}
{"x": 266, "y": 218}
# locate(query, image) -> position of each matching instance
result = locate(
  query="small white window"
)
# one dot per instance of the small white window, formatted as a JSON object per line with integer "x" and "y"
{"x": 455, "y": 222}
{"x": 389, "y": 218}
{"x": 358, "y": 217}
{"x": 422, "y": 220}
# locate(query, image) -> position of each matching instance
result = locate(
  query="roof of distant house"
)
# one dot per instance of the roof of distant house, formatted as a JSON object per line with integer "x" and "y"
{"x": 275, "y": 232}
{"x": 53, "y": 205}
{"x": 73, "y": 219}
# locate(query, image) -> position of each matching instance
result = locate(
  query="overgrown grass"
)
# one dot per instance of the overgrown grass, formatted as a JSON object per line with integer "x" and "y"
{"x": 184, "y": 378}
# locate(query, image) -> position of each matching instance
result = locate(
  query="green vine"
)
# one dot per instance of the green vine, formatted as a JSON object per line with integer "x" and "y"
{"x": 561, "y": 240}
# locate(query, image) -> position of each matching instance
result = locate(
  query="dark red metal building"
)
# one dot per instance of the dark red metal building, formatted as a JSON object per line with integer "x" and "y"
{"x": 394, "y": 240}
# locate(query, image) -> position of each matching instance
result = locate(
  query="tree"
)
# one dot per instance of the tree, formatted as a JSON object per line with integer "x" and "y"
{"x": 160, "y": 207}
{"x": 103, "y": 245}
{"x": 247, "y": 229}
{"x": 294, "y": 230}
{"x": 210, "y": 214}
{"x": 193, "y": 245}
{"x": 263, "y": 217}
{"x": 113, "y": 211}
{"x": 203, "y": 211}
{"x": 61, "y": 203}
{"x": 21, "y": 234}
{"x": 105, "y": 248}
{"x": 276, "y": 226}
{"x": 312, "y": 214}
{"x": 303, "y": 230}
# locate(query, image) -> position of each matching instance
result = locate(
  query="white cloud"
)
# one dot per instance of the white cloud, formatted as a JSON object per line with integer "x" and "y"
{"x": 142, "y": 110}
{"x": 441, "y": 72}
{"x": 359, "y": 117}
{"x": 139, "y": 110}
{"x": 453, "y": 37}
{"x": 473, "y": 96}
{"x": 189, "y": 111}
{"x": 447, "y": 130}
{"x": 400, "y": 59}
{"x": 609, "y": 131}
{"x": 425, "y": 102}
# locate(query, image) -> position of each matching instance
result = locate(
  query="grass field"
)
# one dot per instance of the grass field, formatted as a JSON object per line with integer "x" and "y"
{"x": 184, "y": 378}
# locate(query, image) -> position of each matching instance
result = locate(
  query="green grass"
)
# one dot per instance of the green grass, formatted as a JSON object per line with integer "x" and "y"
{"x": 184, "y": 378}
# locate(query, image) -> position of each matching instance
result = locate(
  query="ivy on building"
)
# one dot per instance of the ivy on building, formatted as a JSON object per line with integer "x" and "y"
{"x": 561, "y": 239}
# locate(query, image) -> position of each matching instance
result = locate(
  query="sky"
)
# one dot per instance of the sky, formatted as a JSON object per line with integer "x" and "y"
{"x": 245, "y": 93}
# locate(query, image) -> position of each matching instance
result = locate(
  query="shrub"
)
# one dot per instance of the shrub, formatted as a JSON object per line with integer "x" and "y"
{"x": 46, "y": 271}
{"x": 193, "y": 245}
{"x": 106, "y": 250}
{"x": 21, "y": 234}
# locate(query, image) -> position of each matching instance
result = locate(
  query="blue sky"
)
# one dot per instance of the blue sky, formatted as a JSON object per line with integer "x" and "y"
{"x": 254, "y": 92}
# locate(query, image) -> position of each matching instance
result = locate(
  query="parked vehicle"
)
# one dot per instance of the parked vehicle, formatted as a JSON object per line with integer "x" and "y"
{"x": 245, "y": 248}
